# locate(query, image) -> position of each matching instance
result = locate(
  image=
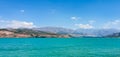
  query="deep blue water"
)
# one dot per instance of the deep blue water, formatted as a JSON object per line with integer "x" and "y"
{"x": 60, "y": 47}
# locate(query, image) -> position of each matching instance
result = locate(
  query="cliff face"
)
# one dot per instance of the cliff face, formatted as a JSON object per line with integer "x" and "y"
{"x": 17, "y": 33}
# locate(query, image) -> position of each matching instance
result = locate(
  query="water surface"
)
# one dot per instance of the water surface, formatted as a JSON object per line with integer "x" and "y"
{"x": 56, "y": 47}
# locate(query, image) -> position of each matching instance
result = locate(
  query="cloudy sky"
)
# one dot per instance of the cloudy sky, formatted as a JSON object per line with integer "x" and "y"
{"x": 85, "y": 14}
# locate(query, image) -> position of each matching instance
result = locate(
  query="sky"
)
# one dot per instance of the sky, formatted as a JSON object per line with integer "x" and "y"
{"x": 73, "y": 14}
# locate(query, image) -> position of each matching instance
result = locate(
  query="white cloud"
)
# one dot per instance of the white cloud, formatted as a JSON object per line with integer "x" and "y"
{"x": 112, "y": 24}
{"x": 84, "y": 26}
{"x": 22, "y": 11}
{"x": 74, "y": 18}
{"x": 16, "y": 24}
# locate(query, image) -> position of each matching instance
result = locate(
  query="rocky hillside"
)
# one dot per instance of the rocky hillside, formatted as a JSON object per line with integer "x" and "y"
{"x": 17, "y": 33}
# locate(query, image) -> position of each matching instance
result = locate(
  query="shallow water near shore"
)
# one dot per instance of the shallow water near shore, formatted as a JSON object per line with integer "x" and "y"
{"x": 60, "y": 47}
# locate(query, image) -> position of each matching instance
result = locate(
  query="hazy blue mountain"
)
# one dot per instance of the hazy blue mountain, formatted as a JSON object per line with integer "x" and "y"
{"x": 79, "y": 32}
{"x": 97, "y": 32}
{"x": 58, "y": 30}
{"x": 114, "y": 35}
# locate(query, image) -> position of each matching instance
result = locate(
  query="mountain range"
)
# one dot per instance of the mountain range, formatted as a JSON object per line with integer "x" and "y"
{"x": 58, "y": 32}
{"x": 80, "y": 32}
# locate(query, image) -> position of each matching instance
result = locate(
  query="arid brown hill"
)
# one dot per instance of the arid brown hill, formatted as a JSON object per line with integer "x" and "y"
{"x": 27, "y": 33}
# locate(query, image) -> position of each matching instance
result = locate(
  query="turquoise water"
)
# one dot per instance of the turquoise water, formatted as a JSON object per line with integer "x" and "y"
{"x": 55, "y": 47}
